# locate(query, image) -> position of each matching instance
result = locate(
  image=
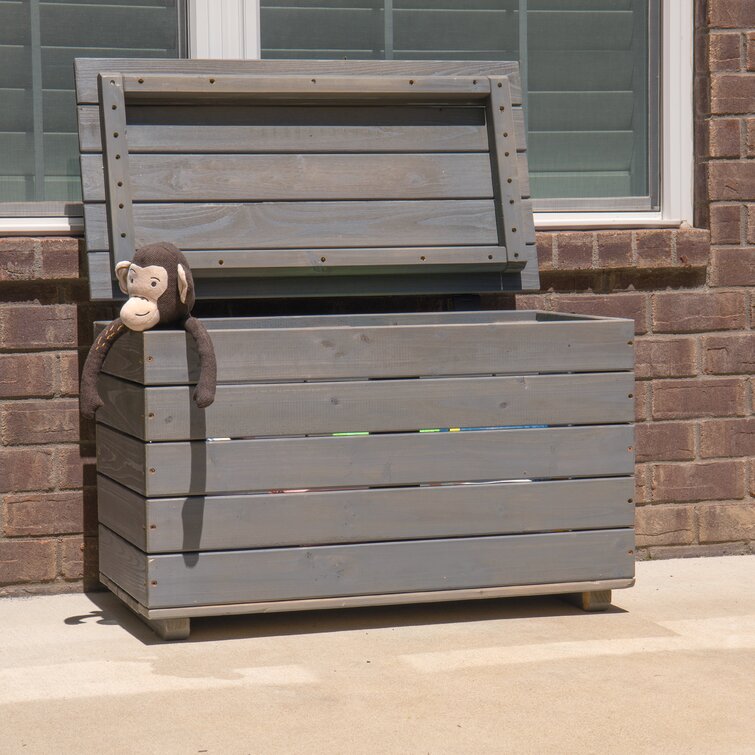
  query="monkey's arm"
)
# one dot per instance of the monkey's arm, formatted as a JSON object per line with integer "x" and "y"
{"x": 204, "y": 394}
{"x": 90, "y": 399}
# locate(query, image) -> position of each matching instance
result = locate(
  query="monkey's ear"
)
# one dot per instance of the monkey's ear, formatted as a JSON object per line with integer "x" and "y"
{"x": 183, "y": 284}
{"x": 121, "y": 272}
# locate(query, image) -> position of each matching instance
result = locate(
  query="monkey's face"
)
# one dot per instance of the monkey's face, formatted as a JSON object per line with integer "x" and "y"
{"x": 144, "y": 286}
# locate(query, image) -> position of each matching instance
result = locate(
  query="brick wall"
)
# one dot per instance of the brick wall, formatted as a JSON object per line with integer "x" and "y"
{"x": 691, "y": 293}
{"x": 48, "y": 516}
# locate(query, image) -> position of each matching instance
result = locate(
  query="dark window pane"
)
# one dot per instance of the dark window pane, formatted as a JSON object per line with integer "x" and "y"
{"x": 585, "y": 66}
{"x": 38, "y": 42}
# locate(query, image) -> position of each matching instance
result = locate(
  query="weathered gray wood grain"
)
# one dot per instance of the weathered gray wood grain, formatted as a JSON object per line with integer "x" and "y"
{"x": 243, "y": 410}
{"x": 379, "y": 351}
{"x": 142, "y": 87}
{"x": 373, "y": 568}
{"x": 210, "y": 178}
{"x": 311, "y": 283}
{"x": 244, "y": 177}
{"x": 385, "y": 599}
{"x": 87, "y": 69}
{"x": 304, "y": 224}
{"x": 100, "y": 276}
{"x": 242, "y": 128}
{"x": 124, "y": 564}
{"x": 202, "y": 523}
{"x": 225, "y": 466}
{"x": 116, "y": 173}
{"x": 507, "y": 184}
{"x": 226, "y": 263}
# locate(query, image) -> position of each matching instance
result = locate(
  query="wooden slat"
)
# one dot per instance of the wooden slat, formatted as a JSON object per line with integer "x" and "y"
{"x": 116, "y": 174}
{"x": 343, "y": 261}
{"x": 244, "y": 410}
{"x": 197, "y": 467}
{"x": 301, "y": 224}
{"x": 503, "y": 155}
{"x": 385, "y": 599}
{"x": 87, "y": 69}
{"x": 210, "y": 178}
{"x": 308, "y": 87}
{"x": 231, "y": 129}
{"x": 202, "y": 523}
{"x": 324, "y": 571}
{"x": 124, "y": 563}
{"x": 310, "y": 353}
{"x": 370, "y": 281}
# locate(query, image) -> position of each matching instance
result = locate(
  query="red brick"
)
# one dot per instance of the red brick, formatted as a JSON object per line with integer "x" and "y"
{"x": 752, "y": 477}
{"x": 641, "y": 400}
{"x": 78, "y": 558}
{"x": 574, "y": 251}
{"x": 727, "y": 437}
{"x": 665, "y": 357}
{"x": 653, "y": 248}
{"x": 729, "y": 355}
{"x": 664, "y": 525}
{"x": 34, "y": 326}
{"x": 725, "y": 223}
{"x": 26, "y": 375}
{"x": 663, "y": 552}
{"x": 693, "y": 246}
{"x": 29, "y": 514}
{"x": 731, "y": 14}
{"x": 76, "y": 466}
{"x": 632, "y": 306}
{"x": 16, "y": 264}
{"x": 72, "y": 558}
{"x": 532, "y": 301}
{"x": 698, "y": 481}
{"x": 750, "y": 137}
{"x": 724, "y": 137}
{"x": 688, "y": 312}
{"x": 642, "y": 474}
{"x": 59, "y": 258}
{"x": 724, "y": 51}
{"x": 68, "y": 364}
{"x": 614, "y": 248}
{"x": 665, "y": 441}
{"x": 55, "y": 421}
{"x": 25, "y": 469}
{"x": 689, "y": 399}
{"x": 720, "y": 523}
{"x": 732, "y": 267}
{"x": 545, "y": 250}
{"x": 751, "y": 51}
{"x": 27, "y": 561}
{"x": 731, "y": 181}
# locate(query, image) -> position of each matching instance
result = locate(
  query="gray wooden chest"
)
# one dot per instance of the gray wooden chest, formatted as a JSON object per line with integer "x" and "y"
{"x": 350, "y": 459}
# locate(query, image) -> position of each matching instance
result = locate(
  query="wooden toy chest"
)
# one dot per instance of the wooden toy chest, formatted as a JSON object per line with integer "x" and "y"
{"x": 348, "y": 459}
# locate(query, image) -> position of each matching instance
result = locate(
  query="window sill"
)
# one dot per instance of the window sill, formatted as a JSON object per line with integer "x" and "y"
{"x": 41, "y": 226}
{"x": 552, "y": 221}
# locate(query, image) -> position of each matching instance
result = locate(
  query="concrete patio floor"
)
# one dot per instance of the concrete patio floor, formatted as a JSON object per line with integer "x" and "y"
{"x": 670, "y": 669}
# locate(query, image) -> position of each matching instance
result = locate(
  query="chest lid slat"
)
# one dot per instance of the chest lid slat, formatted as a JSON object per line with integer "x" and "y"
{"x": 406, "y": 174}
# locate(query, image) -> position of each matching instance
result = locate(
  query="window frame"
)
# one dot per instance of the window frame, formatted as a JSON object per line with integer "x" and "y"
{"x": 231, "y": 30}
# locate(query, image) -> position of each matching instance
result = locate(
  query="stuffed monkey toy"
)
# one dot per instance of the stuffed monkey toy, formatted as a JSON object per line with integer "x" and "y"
{"x": 160, "y": 291}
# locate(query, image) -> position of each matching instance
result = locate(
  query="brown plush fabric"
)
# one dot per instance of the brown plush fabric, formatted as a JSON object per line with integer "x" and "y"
{"x": 172, "y": 312}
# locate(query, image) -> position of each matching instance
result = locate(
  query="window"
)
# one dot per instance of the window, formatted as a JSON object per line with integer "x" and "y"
{"x": 39, "y": 155}
{"x": 608, "y": 85}
{"x": 589, "y": 72}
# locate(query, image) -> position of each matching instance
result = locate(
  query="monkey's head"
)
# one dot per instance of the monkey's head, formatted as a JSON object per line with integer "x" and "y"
{"x": 159, "y": 286}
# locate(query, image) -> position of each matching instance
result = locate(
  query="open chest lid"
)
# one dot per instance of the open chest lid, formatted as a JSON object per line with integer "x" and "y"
{"x": 309, "y": 178}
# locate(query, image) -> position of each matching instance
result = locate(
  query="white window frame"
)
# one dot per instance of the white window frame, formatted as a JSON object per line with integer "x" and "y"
{"x": 230, "y": 29}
